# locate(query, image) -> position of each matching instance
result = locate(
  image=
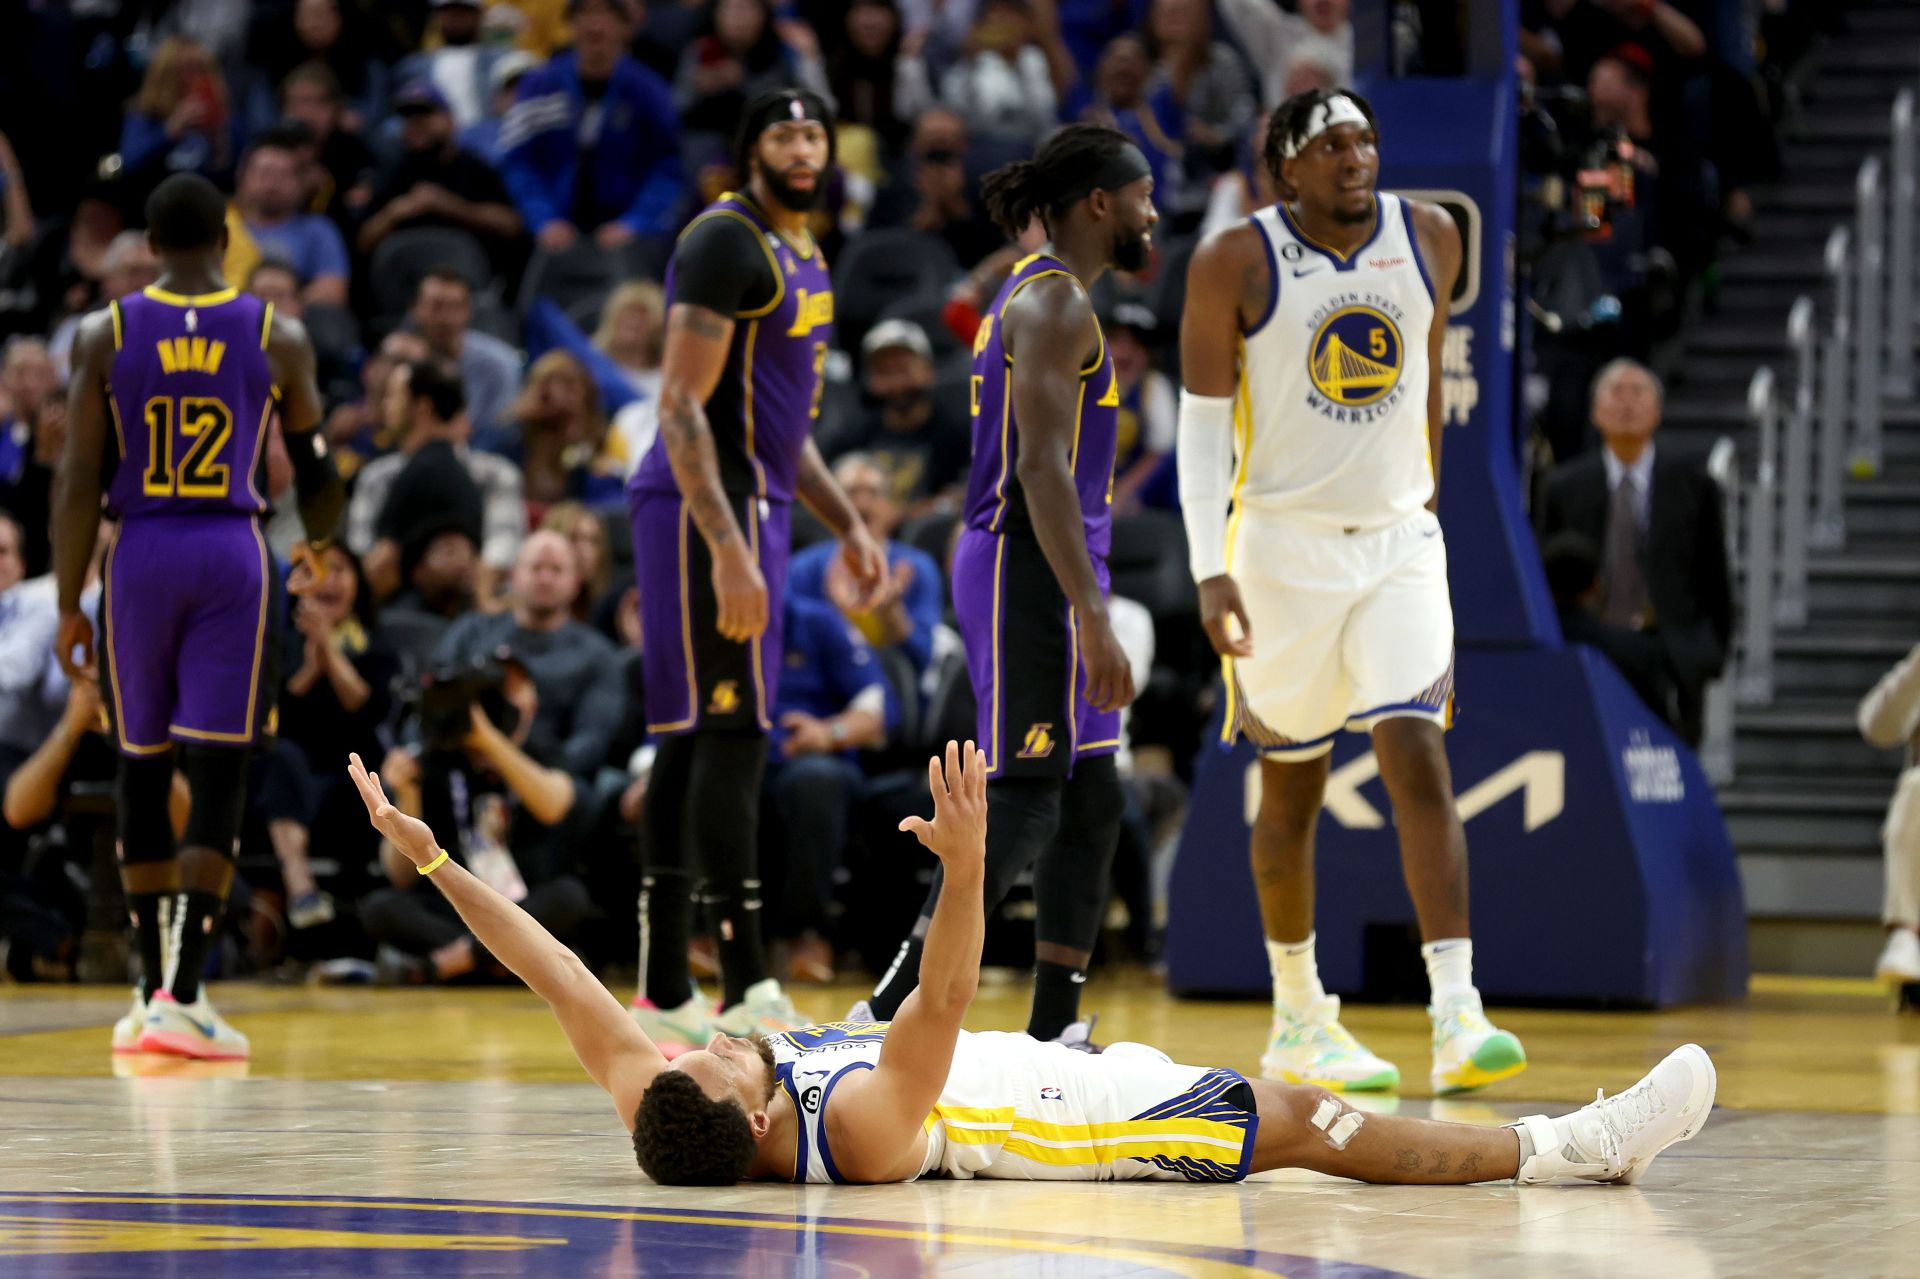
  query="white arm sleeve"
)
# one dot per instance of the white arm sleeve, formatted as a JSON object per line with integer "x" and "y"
{"x": 1206, "y": 479}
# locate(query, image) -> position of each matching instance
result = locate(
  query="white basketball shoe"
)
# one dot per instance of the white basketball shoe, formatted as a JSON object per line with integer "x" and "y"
{"x": 1468, "y": 1050}
{"x": 1617, "y": 1138}
{"x": 1312, "y": 1047}
{"x": 190, "y": 1030}
{"x": 674, "y": 1030}
{"x": 1899, "y": 963}
{"x": 127, "y": 1031}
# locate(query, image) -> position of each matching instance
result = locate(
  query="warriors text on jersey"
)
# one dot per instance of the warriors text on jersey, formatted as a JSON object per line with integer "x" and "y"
{"x": 1333, "y": 397}
{"x": 1015, "y": 1107}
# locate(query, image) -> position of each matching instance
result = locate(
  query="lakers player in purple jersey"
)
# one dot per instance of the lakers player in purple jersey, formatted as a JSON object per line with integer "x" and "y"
{"x": 749, "y": 325}
{"x": 173, "y": 389}
{"x": 1029, "y": 575}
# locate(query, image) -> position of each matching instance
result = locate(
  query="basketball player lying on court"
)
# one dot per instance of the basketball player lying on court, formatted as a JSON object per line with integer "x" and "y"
{"x": 880, "y": 1101}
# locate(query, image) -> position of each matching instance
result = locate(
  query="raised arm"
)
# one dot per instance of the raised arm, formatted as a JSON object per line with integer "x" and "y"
{"x": 1050, "y": 331}
{"x": 615, "y": 1052}
{"x": 893, "y": 1100}
{"x": 1229, "y": 288}
{"x": 1439, "y": 237}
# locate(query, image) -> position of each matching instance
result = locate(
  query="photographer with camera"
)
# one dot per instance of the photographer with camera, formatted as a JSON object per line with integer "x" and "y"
{"x": 515, "y": 717}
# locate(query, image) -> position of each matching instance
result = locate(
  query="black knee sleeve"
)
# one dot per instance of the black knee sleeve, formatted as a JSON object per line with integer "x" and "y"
{"x": 1023, "y": 817}
{"x": 1072, "y": 881}
{"x": 217, "y": 778}
{"x": 143, "y": 791}
{"x": 722, "y": 817}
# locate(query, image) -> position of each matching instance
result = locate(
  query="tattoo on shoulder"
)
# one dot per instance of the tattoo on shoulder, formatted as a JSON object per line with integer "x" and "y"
{"x": 702, "y": 322}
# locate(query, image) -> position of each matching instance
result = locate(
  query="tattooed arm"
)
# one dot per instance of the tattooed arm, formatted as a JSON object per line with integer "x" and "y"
{"x": 696, "y": 355}
{"x": 822, "y": 495}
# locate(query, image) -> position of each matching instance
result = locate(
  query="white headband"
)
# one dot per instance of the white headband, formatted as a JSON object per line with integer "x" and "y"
{"x": 1337, "y": 110}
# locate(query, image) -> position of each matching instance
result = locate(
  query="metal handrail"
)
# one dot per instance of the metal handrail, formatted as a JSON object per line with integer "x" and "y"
{"x": 1829, "y": 531}
{"x": 1716, "y": 732}
{"x": 1869, "y": 344}
{"x": 1899, "y": 379}
{"x": 1796, "y": 470}
{"x": 1753, "y": 684}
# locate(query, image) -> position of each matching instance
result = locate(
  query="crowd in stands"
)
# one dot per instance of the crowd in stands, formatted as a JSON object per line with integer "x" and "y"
{"x": 471, "y": 206}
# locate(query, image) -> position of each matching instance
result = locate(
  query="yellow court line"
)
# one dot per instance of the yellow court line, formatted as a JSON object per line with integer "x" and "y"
{"x": 1194, "y": 1267}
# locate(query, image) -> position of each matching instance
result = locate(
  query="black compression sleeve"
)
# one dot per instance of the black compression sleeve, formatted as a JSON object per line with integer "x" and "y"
{"x": 721, "y": 264}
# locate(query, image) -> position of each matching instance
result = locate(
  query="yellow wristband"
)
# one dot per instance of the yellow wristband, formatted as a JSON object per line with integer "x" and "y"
{"x": 433, "y": 865}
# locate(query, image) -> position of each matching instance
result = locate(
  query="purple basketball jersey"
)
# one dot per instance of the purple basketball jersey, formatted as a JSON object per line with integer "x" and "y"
{"x": 995, "y": 501}
{"x": 189, "y": 394}
{"x": 769, "y": 394}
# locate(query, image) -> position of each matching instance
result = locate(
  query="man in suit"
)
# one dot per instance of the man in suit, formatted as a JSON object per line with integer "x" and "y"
{"x": 1573, "y": 576}
{"x": 1656, "y": 517}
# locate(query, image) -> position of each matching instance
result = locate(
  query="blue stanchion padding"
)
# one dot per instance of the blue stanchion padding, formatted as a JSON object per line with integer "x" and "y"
{"x": 1601, "y": 870}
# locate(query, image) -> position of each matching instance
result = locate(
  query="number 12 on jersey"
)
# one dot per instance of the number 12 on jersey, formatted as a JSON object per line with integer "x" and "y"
{"x": 203, "y": 425}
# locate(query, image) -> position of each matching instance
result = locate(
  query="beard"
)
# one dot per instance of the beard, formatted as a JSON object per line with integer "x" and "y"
{"x": 1346, "y": 217}
{"x": 791, "y": 197}
{"x": 765, "y": 1048}
{"x": 1132, "y": 254}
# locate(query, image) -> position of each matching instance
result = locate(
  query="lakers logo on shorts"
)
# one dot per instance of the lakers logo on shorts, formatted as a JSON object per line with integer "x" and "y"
{"x": 726, "y": 698}
{"x": 1039, "y": 742}
{"x": 1356, "y": 357}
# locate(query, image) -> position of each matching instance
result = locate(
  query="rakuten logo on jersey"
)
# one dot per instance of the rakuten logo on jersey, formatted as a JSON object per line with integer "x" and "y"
{"x": 1382, "y": 264}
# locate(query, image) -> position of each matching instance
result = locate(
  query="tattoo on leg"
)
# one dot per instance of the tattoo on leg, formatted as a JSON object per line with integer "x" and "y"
{"x": 1407, "y": 1161}
{"x": 1439, "y": 1162}
{"x": 1471, "y": 1163}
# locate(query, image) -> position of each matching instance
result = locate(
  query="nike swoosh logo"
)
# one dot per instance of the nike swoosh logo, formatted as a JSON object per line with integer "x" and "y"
{"x": 1079, "y": 979}
{"x": 1309, "y": 271}
{"x": 808, "y": 1073}
{"x": 204, "y": 1027}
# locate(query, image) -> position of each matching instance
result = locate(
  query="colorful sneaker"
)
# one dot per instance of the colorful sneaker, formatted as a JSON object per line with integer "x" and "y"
{"x": 190, "y": 1030}
{"x": 1468, "y": 1052}
{"x": 127, "y": 1031}
{"x": 764, "y": 1010}
{"x": 1899, "y": 963}
{"x": 1314, "y": 1048}
{"x": 1616, "y": 1138}
{"x": 675, "y": 1030}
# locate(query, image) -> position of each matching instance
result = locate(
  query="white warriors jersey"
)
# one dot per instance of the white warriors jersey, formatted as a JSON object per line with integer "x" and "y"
{"x": 1331, "y": 419}
{"x": 1020, "y": 1108}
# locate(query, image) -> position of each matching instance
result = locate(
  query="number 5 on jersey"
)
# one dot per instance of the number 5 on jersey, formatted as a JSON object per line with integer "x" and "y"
{"x": 203, "y": 425}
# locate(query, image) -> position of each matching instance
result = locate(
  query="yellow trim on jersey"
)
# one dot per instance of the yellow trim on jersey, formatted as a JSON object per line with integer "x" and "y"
{"x": 259, "y": 441}
{"x": 1243, "y": 440}
{"x": 119, "y": 330}
{"x": 1000, "y": 313}
{"x": 759, "y": 685}
{"x": 159, "y": 294}
{"x": 746, "y": 406}
{"x": 1100, "y": 355}
{"x": 1077, "y": 1145}
{"x": 760, "y": 237}
{"x": 106, "y": 617}
{"x": 805, "y": 251}
{"x": 993, "y": 723}
{"x": 266, "y": 325}
{"x": 1006, "y": 454}
{"x": 246, "y": 733}
{"x": 119, "y": 432}
{"x": 686, "y": 638}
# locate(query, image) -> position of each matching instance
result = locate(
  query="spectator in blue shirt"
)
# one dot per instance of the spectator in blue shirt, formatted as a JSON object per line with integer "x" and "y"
{"x": 832, "y": 703}
{"x": 910, "y": 606}
{"x": 269, "y": 200}
{"x": 592, "y": 143}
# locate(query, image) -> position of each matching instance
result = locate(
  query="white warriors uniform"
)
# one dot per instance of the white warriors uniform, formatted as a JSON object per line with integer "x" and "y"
{"x": 1022, "y": 1109}
{"x": 1342, "y": 569}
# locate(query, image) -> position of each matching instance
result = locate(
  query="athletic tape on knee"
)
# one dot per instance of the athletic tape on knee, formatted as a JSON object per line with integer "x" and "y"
{"x": 1337, "y": 1121}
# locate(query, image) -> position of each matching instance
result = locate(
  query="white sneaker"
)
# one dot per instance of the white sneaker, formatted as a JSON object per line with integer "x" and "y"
{"x": 190, "y": 1030}
{"x": 861, "y": 1012}
{"x": 127, "y": 1031}
{"x": 1616, "y": 1138}
{"x": 675, "y": 1030}
{"x": 764, "y": 1010}
{"x": 1314, "y": 1048}
{"x": 1900, "y": 961}
{"x": 1079, "y": 1036}
{"x": 1468, "y": 1052}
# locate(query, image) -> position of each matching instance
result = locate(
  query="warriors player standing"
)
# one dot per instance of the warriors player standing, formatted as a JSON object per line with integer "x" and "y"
{"x": 1320, "y": 321}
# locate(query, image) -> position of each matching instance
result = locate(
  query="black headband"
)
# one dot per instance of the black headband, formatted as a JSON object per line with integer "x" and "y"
{"x": 794, "y": 104}
{"x": 1126, "y": 165}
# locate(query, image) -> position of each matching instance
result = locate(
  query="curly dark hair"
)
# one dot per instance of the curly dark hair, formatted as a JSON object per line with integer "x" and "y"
{"x": 1288, "y": 127}
{"x": 682, "y": 1137}
{"x": 1015, "y": 192}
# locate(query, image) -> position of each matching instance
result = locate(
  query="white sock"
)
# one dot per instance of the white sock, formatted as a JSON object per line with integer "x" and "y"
{"x": 1296, "y": 975}
{"x": 1449, "y": 968}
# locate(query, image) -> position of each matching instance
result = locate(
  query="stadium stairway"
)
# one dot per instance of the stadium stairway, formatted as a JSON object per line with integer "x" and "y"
{"x": 1808, "y": 796}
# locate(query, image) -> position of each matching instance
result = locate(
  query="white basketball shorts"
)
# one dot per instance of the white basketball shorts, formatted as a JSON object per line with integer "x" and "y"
{"x": 1349, "y": 629}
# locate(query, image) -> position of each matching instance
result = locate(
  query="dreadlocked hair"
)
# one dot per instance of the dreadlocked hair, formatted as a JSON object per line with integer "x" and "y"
{"x": 1288, "y": 127}
{"x": 682, "y": 1137}
{"x": 1015, "y": 192}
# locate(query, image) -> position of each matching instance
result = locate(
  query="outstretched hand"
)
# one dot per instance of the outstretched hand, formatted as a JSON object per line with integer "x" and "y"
{"x": 957, "y": 835}
{"x": 408, "y": 834}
